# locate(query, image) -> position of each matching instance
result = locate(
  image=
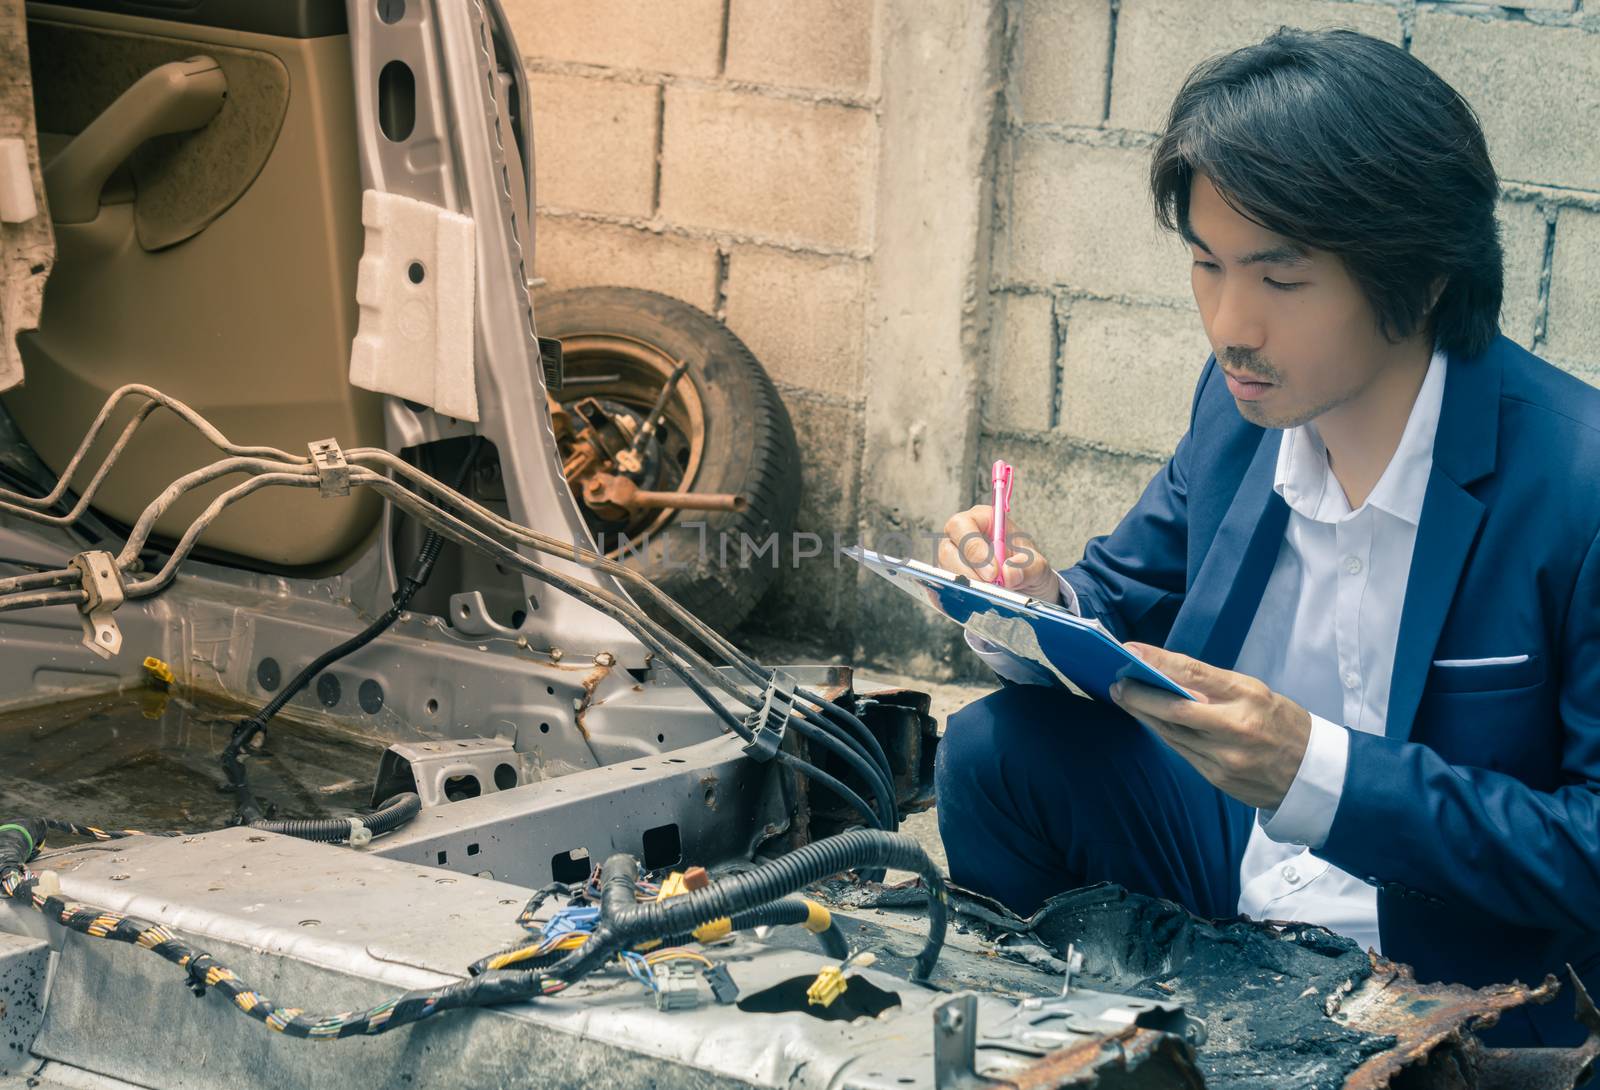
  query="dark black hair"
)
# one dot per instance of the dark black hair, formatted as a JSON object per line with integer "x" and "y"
{"x": 1345, "y": 143}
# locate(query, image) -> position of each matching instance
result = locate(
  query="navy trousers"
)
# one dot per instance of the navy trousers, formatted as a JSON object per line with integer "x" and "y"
{"x": 1040, "y": 791}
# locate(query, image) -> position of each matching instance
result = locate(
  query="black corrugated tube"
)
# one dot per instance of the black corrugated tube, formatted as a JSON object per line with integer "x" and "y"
{"x": 625, "y": 922}
{"x": 792, "y": 910}
{"x": 386, "y": 818}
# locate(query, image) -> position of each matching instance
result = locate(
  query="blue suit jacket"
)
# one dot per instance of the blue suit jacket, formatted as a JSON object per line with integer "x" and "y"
{"x": 1477, "y": 813}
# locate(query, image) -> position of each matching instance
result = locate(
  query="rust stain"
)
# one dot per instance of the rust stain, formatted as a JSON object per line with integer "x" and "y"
{"x": 594, "y": 677}
{"x": 1170, "y": 1060}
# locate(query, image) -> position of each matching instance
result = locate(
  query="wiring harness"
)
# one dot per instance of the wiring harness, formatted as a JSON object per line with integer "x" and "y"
{"x": 623, "y": 928}
{"x": 770, "y": 701}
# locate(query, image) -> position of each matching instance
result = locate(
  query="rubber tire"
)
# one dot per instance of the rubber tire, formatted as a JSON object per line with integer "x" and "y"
{"x": 749, "y": 449}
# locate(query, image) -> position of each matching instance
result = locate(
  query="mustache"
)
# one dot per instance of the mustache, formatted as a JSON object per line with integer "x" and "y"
{"x": 1249, "y": 361}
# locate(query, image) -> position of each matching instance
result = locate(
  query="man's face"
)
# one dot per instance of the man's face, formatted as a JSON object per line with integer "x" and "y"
{"x": 1291, "y": 328}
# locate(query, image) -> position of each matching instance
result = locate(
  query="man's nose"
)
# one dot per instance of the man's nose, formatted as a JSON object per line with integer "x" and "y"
{"x": 1237, "y": 322}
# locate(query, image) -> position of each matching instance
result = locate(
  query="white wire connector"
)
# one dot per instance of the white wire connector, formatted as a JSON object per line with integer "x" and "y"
{"x": 360, "y": 835}
{"x": 333, "y": 472}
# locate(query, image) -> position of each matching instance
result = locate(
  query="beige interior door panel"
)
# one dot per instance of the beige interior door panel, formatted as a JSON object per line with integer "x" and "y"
{"x": 248, "y": 315}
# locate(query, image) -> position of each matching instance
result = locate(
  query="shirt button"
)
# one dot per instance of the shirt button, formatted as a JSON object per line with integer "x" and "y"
{"x": 1352, "y": 564}
{"x": 1351, "y": 680}
{"x": 1291, "y": 875}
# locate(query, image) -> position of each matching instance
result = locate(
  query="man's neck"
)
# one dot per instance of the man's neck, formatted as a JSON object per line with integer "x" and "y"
{"x": 1362, "y": 434}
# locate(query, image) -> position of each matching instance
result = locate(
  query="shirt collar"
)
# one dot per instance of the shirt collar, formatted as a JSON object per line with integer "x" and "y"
{"x": 1306, "y": 481}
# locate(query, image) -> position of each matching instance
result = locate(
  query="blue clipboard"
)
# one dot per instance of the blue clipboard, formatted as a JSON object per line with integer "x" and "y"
{"x": 1078, "y": 650}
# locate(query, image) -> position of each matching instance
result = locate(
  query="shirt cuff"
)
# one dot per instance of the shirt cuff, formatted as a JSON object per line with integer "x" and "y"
{"x": 1007, "y": 665}
{"x": 1069, "y": 597}
{"x": 1011, "y": 667}
{"x": 1306, "y": 813}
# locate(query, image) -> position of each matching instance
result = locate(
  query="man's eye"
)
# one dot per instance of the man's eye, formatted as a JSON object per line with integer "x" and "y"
{"x": 1279, "y": 285}
{"x": 1205, "y": 264}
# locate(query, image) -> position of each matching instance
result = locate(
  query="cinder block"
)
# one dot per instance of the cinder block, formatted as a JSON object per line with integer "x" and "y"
{"x": 576, "y": 253}
{"x": 1520, "y": 5}
{"x": 1059, "y": 68}
{"x": 596, "y": 144}
{"x": 1535, "y": 88}
{"x": 1522, "y": 227}
{"x": 683, "y": 37}
{"x": 801, "y": 315}
{"x": 1160, "y": 41}
{"x": 1573, "y": 332}
{"x": 826, "y": 44}
{"x": 1019, "y": 381}
{"x": 791, "y": 171}
{"x": 1064, "y": 495}
{"x": 1082, "y": 216}
{"x": 1128, "y": 374}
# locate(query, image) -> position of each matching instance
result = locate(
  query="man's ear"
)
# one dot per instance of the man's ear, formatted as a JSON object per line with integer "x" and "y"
{"x": 1435, "y": 290}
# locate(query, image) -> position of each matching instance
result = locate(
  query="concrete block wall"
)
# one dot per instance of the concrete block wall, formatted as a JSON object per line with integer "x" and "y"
{"x": 1094, "y": 343}
{"x": 725, "y": 152}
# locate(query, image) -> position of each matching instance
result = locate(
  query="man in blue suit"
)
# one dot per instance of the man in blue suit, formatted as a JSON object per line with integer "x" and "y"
{"x": 1374, "y": 557}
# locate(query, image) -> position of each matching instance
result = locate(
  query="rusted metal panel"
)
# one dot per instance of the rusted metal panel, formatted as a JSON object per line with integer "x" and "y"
{"x": 1434, "y": 1029}
{"x": 1133, "y": 1059}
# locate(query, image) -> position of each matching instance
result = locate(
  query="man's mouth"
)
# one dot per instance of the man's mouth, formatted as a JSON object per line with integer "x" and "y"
{"x": 1245, "y": 388}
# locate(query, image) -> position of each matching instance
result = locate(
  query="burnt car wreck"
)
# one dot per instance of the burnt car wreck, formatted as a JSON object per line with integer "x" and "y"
{"x": 386, "y": 776}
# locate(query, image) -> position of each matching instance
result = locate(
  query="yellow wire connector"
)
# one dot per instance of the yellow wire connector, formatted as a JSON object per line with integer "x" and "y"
{"x": 672, "y": 886}
{"x": 819, "y": 919}
{"x": 829, "y": 985}
{"x": 159, "y": 671}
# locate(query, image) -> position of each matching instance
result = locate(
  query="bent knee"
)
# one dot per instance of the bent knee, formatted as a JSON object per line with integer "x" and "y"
{"x": 1055, "y": 729}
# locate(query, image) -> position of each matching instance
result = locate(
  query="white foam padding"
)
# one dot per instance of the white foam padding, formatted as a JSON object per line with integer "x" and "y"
{"x": 16, "y": 182}
{"x": 415, "y": 288}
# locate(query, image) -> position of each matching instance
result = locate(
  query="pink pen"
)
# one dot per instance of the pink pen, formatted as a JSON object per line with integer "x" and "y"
{"x": 1002, "y": 475}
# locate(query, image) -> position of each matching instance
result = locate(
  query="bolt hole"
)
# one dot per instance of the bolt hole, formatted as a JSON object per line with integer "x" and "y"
{"x": 415, "y": 272}
{"x": 432, "y": 707}
{"x": 570, "y": 866}
{"x": 661, "y": 737}
{"x": 544, "y": 728}
{"x": 461, "y": 787}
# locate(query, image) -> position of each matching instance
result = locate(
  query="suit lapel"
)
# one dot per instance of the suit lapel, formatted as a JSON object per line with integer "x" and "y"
{"x": 1445, "y": 536}
{"x": 1227, "y": 589}
{"x": 1464, "y": 451}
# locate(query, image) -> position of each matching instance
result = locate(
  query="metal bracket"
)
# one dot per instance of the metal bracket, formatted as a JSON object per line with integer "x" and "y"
{"x": 102, "y": 594}
{"x": 450, "y": 768}
{"x": 550, "y": 357}
{"x": 955, "y": 1045}
{"x": 768, "y": 724}
{"x": 333, "y": 472}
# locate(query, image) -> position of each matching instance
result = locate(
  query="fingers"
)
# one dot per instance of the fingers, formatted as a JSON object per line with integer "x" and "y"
{"x": 1191, "y": 673}
{"x": 969, "y": 551}
{"x": 1147, "y": 701}
{"x": 951, "y": 560}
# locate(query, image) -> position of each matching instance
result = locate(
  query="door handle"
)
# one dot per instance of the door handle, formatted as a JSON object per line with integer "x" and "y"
{"x": 176, "y": 97}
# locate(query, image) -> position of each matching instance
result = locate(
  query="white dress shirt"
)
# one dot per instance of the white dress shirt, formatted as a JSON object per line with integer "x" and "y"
{"x": 1324, "y": 636}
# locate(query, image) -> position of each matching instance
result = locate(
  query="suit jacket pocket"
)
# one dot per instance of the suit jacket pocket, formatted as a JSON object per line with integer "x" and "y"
{"x": 1485, "y": 674}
